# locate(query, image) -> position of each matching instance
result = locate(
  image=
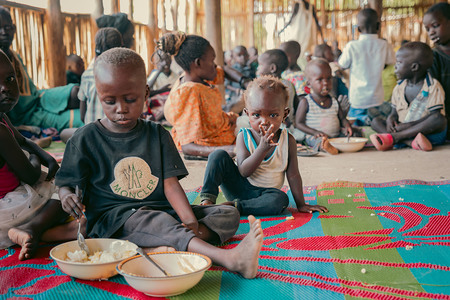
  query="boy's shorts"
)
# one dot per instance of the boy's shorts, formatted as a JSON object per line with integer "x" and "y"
{"x": 363, "y": 117}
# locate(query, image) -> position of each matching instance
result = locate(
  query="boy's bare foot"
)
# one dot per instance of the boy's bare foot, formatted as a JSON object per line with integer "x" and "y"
{"x": 24, "y": 239}
{"x": 206, "y": 202}
{"x": 244, "y": 257}
{"x": 327, "y": 147}
{"x": 44, "y": 142}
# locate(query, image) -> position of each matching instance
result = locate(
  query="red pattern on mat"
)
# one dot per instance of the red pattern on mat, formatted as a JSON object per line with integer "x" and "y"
{"x": 359, "y": 199}
{"x": 392, "y": 217}
{"x": 42, "y": 285}
{"x": 411, "y": 219}
{"x": 381, "y": 231}
{"x": 333, "y": 216}
{"x": 335, "y": 201}
{"x": 10, "y": 280}
{"x": 397, "y": 244}
{"x": 325, "y": 243}
{"x": 420, "y": 208}
{"x": 118, "y": 289}
{"x": 437, "y": 225}
{"x": 358, "y": 261}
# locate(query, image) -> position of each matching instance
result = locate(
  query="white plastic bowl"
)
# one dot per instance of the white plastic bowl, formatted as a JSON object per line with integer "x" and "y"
{"x": 354, "y": 144}
{"x": 87, "y": 271}
{"x": 186, "y": 269}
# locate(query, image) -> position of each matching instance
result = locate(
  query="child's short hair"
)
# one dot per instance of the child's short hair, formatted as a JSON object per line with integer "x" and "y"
{"x": 120, "y": 57}
{"x": 442, "y": 7}
{"x": 422, "y": 53}
{"x": 119, "y": 21}
{"x": 185, "y": 48}
{"x": 267, "y": 82}
{"x": 277, "y": 57}
{"x": 291, "y": 47}
{"x": 319, "y": 50}
{"x": 367, "y": 18}
{"x": 313, "y": 63}
{"x": 107, "y": 38}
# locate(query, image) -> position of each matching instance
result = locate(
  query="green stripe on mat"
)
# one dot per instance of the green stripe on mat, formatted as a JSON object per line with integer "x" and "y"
{"x": 56, "y": 147}
{"x": 208, "y": 288}
{"x": 400, "y": 278}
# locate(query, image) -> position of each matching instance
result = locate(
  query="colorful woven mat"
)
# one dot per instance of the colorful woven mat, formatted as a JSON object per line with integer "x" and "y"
{"x": 379, "y": 241}
{"x": 56, "y": 149}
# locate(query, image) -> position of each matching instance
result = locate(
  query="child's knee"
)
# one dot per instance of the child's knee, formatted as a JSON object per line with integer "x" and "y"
{"x": 218, "y": 157}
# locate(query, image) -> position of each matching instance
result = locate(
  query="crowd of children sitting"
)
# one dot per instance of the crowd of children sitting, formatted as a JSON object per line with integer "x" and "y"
{"x": 282, "y": 105}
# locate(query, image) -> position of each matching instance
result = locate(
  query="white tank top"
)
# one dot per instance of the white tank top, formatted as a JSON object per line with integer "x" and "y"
{"x": 270, "y": 173}
{"x": 323, "y": 119}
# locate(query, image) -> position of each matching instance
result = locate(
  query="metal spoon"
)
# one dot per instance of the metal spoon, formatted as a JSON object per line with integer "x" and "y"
{"x": 142, "y": 252}
{"x": 81, "y": 242}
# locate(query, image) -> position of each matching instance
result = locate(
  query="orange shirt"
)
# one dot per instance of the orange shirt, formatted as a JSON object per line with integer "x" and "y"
{"x": 195, "y": 112}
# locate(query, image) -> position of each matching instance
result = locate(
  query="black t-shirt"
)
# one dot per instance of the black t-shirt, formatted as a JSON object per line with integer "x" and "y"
{"x": 441, "y": 71}
{"x": 119, "y": 172}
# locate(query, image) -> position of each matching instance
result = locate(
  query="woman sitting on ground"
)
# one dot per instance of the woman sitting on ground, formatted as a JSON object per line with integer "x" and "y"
{"x": 200, "y": 126}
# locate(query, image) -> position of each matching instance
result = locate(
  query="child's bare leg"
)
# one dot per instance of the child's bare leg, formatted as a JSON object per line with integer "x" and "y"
{"x": 379, "y": 125}
{"x": 243, "y": 258}
{"x": 433, "y": 124}
{"x": 64, "y": 232}
{"x": 28, "y": 235}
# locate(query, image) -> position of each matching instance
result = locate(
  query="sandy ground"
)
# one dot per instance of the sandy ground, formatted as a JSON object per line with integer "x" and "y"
{"x": 368, "y": 165}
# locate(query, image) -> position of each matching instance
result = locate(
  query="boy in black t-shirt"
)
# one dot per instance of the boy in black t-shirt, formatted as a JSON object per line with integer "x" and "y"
{"x": 129, "y": 171}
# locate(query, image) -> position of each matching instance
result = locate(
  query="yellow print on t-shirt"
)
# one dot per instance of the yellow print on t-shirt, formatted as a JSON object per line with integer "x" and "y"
{"x": 133, "y": 178}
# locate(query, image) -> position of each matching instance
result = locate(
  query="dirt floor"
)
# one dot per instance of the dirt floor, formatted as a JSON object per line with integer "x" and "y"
{"x": 368, "y": 165}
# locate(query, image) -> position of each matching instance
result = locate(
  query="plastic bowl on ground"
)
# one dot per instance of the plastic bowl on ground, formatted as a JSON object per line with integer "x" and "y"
{"x": 344, "y": 144}
{"x": 93, "y": 271}
{"x": 185, "y": 270}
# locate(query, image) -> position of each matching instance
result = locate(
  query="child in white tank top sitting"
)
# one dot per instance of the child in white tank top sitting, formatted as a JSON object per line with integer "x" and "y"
{"x": 320, "y": 116}
{"x": 264, "y": 153}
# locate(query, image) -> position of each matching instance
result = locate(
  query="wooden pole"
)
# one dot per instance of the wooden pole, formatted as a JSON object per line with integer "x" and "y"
{"x": 163, "y": 15}
{"x": 57, "y": 61}
{"x": 115, "y": 6}
{"x": 192, "y": 24}
{"x": 152, "y": 31}
{"x": 130, "y": 10}
{"x": 98, "y": 9}
{"x": 250, "y": 23}
{"x": 175, "y": 14}
{"x": 214, "y": 28}
{"x": 323, "y": 19}
{"x": 214, "y": 33}
{"x": 377, "y": 5}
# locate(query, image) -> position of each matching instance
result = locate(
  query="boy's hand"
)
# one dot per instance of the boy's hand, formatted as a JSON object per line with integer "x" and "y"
{"x": 402, "y": 126}
{"x": 344, "y": 104}
{"x": 311, "y": 208}
{"x": 73, "y": 206}
{"x": 390, "y": 125}
{"x": 348, "y": 130}
{"x": 266, "y": 140}
{"x": 320, "y": 134}
{"x": 192, "y": 226}
{"x": 53, "y": 167}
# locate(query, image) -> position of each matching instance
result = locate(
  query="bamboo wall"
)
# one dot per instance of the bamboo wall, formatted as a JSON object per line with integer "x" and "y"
{"x": 401, "y": 19}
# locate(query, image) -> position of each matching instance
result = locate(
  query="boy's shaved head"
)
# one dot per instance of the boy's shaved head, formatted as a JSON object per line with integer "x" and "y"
{"x": 314, "y": 64}
{"x": 269, "y": 83}
{"x": 367, "y": 19}
{"x": 278, "y": 58}
{"x": 119, "y": 58}
{"x": 442, "y": 8}
{"x": 291, "y": 47}
{"x": 319, "y": 50}
{"x": 420, "y": 53}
